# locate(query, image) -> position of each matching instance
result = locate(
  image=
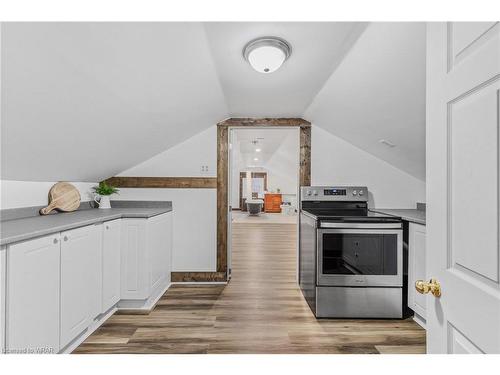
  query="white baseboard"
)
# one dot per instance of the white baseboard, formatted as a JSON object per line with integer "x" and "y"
{"x": 95, "y": 324}
{"x": 142, "y": 307}
{"x": 419, "y": 320}
{"x": 200, "y": 283}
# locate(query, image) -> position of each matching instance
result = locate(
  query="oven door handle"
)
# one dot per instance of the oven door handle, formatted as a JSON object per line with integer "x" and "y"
{"x": 362, "y": 225}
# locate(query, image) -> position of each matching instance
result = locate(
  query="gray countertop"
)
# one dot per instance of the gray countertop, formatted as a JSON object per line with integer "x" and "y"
{"x": 30, "y": 227}
{"x": 412, "y": 215}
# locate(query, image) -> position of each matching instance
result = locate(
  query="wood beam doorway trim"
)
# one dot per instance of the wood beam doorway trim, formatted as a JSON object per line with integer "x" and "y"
{"x": 163, "y": 182}
{"x": 223, "y": 173}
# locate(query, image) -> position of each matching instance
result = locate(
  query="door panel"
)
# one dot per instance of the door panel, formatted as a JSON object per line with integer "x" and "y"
{"x": 466, "y": 36}
{"x": 416, "y": 270}
{"x": 134, "y": 274}
{"x": 32, "y": 308}
{"x": 79, "y": 286}
{"x": 462, "y": 127}
{"x": 473, "y": 168}
{"x": 158, "y": 238}
{"x": 459, "y": 344}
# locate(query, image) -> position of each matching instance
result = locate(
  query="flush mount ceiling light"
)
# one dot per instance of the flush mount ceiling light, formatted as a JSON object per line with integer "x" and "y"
{"x": 257, "y": 150}
{"x": 267, "y": 54}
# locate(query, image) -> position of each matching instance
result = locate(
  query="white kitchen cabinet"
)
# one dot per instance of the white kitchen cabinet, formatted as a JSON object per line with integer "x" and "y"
{"x": 55, "y": 290}
{"x": 416, "y": 269}
{"x": 146, "y": 260}
{"x": 80, "y": 280}
{"x": 159, "y": 239}
{"x": 2, "y": 298}
{"x": 111, "y": 242}
{"x": 134, "y": 281}
{"x": 32, "y": 308}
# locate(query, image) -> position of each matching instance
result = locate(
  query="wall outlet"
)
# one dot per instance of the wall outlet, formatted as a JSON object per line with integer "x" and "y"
{"x": 204, "y": 169}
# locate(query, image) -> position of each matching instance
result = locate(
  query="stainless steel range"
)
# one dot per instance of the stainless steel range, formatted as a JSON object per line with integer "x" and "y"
{"x": 350, "y": 259}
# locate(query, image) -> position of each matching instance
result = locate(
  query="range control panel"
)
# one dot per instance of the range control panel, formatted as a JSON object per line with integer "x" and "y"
{"x": 334, "y": 193}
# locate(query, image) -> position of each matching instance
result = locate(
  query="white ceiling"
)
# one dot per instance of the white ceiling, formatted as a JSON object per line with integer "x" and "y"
{"x": 378, "y": 92}
{"x": 85, "y": 101}
{"x": 268, "y": 141}
{"x": 317, "y": 49}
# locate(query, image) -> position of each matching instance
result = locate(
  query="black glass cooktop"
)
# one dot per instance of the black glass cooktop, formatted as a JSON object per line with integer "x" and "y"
{"x": 360, "y": 215}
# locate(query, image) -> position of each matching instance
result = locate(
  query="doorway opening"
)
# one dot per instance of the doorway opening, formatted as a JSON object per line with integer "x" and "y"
{"x": 263, "y": 174}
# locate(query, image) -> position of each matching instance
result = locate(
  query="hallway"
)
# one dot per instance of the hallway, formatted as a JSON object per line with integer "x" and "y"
{"x": 261, "y": 310}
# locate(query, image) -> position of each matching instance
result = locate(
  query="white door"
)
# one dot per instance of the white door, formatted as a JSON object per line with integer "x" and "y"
{"x": 80, "y": 285}
{"x": 32, "y": 307}
{"x": 111, "y": 264}
{"x": 463, "y": 89}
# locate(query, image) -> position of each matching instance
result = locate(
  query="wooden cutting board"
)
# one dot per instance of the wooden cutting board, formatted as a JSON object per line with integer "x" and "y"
{"x": 62, "y": 197}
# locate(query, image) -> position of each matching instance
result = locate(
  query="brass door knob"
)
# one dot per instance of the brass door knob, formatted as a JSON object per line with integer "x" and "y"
{"x": 432, "y": 286}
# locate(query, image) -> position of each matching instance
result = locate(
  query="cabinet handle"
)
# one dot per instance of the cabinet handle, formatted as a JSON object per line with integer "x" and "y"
{"x": 65, "y": 238}
{"x": 55, "y": 240}
{"x": 107, "y": 226}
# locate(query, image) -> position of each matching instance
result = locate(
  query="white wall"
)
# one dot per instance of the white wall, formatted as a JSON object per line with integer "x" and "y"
{"x": 194, "y": 225}
{"x": 337, "y": 162}
{"x": 195, "y": 210}
{"x": 334, "y": 162}
{"x": 17, "y": 194}
{"x": 281, "y": 166}
{"x": 183, "y": 160}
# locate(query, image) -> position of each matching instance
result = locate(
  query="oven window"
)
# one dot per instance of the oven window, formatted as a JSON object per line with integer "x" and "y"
{"x": 359, "y": 254}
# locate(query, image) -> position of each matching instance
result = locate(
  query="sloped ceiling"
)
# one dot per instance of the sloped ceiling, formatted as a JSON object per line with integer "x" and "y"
{"x": 378, "y": 92}
{"x": 317, "y": 49}
{"x": 267, "y": 141}
{"x": 85, "y": 101}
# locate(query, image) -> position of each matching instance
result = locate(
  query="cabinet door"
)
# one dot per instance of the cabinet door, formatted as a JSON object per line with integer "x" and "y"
{"x": 159, "y": 244}
{"x": 80, "y": 280}
{"x": 32, "y": 307}
{"x": 111, "y": 264}
{"x": 416, "y": 267}
{"x": 134, "y": 260}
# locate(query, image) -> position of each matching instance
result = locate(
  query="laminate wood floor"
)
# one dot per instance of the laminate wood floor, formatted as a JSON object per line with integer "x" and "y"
{"x": 261, "y": 310}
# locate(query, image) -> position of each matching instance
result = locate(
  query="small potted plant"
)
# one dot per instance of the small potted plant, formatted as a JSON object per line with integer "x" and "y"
{"x": 103, "y": 192}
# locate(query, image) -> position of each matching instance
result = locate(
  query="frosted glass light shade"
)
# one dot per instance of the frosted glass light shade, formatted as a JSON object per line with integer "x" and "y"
{"x": 266, "y": 55}
{"x": 266, "y": 59}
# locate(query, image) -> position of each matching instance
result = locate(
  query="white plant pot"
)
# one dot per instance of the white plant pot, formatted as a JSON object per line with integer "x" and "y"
{"x": 103, "y": 201}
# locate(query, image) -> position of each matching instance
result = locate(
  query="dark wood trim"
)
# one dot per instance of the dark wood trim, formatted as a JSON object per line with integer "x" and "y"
{"x": 222, "y": 169}
{"x": 164, "y": 182}
{"x": 305, "y": 156}
{"x": 198, "y": 276}
{"x": 248, "y": 121}
{"x": 222, "y": 196}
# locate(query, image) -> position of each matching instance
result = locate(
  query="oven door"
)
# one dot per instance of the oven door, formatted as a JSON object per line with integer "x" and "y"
{"x": 370, "y": 256}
